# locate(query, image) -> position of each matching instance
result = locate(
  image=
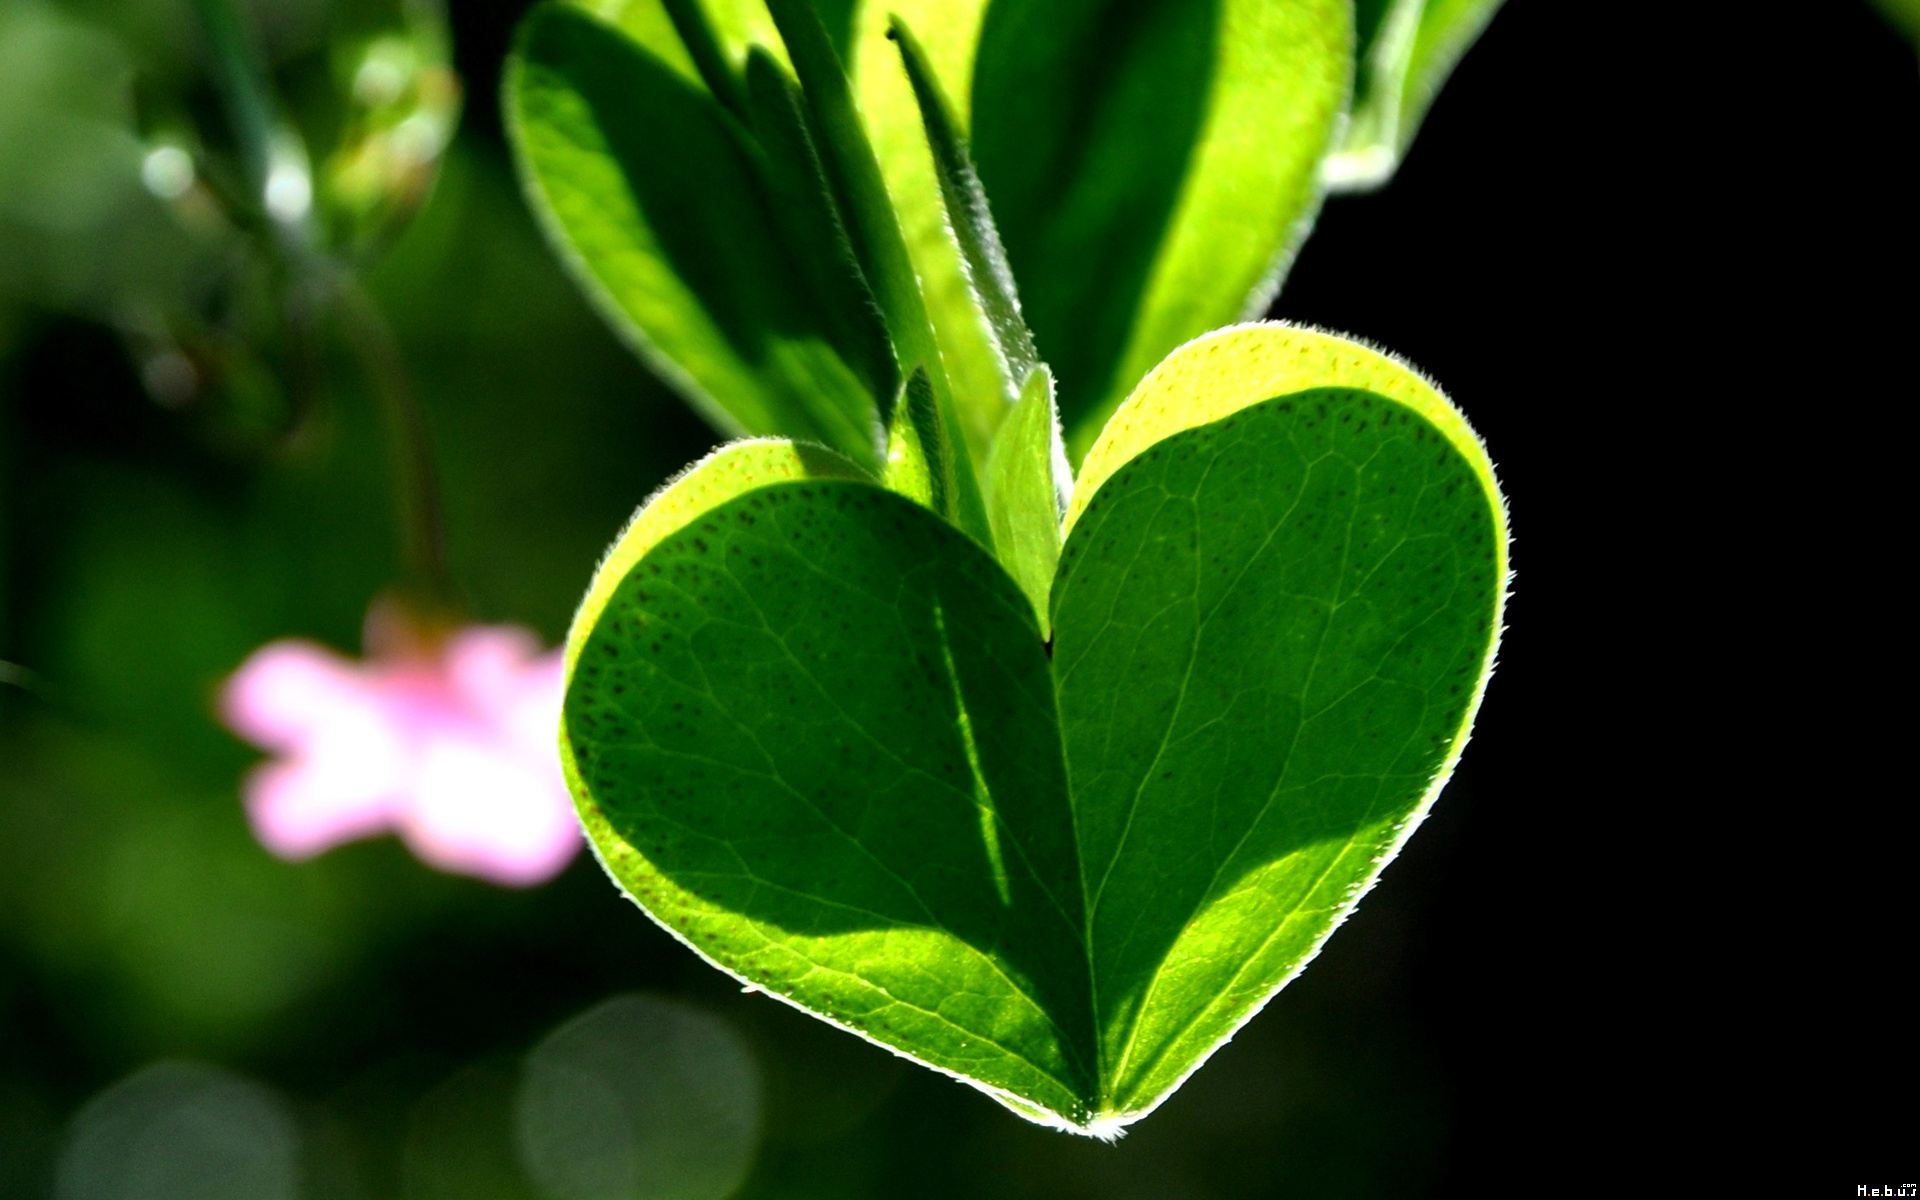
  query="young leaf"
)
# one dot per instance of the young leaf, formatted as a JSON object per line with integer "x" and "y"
{"x": 658, "y": 199}
{"x": 988, "y": 275}
{"x": 916, "y": 466}
{"x": 703, "y": 47}
{"x": 816, "y": 733}
{"x": 1152, "y": 165}
{"x": 857, "y": 181}
{"x": 1027, "y": 482}
{"x": 877, "y": 240}
{"x": 948, "y": 31}
{"x": 803, "y": 204}
{"x": 1407, "y": 50}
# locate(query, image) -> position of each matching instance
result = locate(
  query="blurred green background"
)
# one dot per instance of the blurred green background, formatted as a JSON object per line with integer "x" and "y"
{"x": 187, "y": 473}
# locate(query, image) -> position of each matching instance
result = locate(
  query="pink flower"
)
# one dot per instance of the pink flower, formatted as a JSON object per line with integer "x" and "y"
{"x": 447, "y": 741}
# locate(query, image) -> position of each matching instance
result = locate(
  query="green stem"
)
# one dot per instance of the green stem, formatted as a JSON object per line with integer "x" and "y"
{"x": 263, "y": 136}
{"x": 423, "y": 516}
{"x": 268, "y": 143}
{"x": 240, "y": 79}
{"x": 875, "y": 231}
{"x": 703, "y": 46}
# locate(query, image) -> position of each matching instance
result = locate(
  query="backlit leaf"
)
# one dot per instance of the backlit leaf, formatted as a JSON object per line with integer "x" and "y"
{"x": 664, "y": 207}
{"x": 1407, "y": 50}
{"x": 1027, "y": 481}
{"x": 819, "y": 735}
{"x": 1152, "y": 167}
{"x": 988, "y": 277}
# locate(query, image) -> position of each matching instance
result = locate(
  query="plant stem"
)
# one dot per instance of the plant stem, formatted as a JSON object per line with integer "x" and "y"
{"x": 240, "y": 80}
{"x": 267, "y": 145}
{"x": 879, "y": 246}
{"x": 423, "y": 516}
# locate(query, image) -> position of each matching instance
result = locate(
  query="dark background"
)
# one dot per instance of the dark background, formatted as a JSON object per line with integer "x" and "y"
{"x": 1663, "y": 256}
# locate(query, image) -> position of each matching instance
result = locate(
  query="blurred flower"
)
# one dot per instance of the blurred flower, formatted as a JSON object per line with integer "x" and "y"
{"x": 445, "y": 738}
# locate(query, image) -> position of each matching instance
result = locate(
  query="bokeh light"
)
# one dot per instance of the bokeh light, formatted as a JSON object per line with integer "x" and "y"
{"x": 182, "y": 1131}
{"x": 639, "y": 1098}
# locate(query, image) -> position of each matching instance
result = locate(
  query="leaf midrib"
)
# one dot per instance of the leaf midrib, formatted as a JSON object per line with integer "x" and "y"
{"x": 1066, "y": 1042}
{"x": 1105, "y": 1083}
{"x": 1334, "y": 606}
{"x": 1106, "y": 1097}
{"x": 877, "y": 986}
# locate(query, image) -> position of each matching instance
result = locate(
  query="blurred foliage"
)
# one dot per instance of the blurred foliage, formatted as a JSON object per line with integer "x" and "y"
{"x": 191, "y": 464}
{"x": 152, "y": 566}
{"x": 1904, "y": 14}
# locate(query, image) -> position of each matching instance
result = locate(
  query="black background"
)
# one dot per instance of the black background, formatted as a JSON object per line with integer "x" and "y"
{"x": 1663, "y": 255}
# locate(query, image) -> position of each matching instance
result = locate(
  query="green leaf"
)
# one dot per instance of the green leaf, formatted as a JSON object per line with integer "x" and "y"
{"x": 1273, "y": 623}
{"x": 817, "y": 734}
{"x": 878, "y": 242}
{"x": 919, "y": 457}
{"x": 948, "y": 31}
{"x": 735, "y": 27}
{"x": 690, "y": 236}
{"x": 1904, "y": 15}
{"x": 811, "y": 733}
{"x": 802, "y": 203}
{"x": 1152, "y": 166}
{"x": 733, "y": 470}
{"x": 1027, "y": 481}
{"x": 855, "y": 175}
{"x": 985, "y": 259}
{"x": 1407, "y": 50}
{"x": 1214, "y": 376}
{"x": 702, "y": 44}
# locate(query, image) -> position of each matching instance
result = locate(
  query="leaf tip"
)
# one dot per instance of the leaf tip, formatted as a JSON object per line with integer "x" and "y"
{"x": 1107, "y": 1127}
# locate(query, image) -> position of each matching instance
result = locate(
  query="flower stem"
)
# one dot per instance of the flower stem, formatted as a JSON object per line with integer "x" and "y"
{"x": 276, "y": 163}
{"x": 272, "y": 152}
{"x": 238, "y": 77}
{"x": 423, "y": 516}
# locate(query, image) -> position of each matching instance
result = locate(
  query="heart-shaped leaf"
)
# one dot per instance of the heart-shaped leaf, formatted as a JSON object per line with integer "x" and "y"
{"x": 1407, "y": 50}
{"x": 816, "y": 732}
